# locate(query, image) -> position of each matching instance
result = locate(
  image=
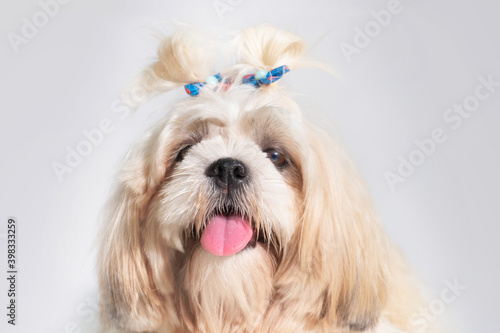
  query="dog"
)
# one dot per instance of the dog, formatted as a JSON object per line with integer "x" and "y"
{"x": 236, "y": 214}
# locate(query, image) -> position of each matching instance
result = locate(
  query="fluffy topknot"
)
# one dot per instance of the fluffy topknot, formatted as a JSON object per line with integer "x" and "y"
{"x": 188, "y": 56}
{"x": 265, "y": 47}
{"x": 184, "y": 57}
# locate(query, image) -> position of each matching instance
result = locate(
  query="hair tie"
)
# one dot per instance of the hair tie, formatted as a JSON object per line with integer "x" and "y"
{"x": 193, "y": 89}
{"x": 262, "y": 77}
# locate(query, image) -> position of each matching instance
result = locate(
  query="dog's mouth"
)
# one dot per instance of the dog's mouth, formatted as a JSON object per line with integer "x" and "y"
{"x": 227, "y": 232}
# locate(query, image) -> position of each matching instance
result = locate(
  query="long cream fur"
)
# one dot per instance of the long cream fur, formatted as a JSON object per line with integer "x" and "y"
{"x": 326, "y": 265}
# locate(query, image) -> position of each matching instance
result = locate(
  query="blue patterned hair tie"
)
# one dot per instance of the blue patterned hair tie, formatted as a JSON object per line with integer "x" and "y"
{"x": 193, "y": 89}
{"x": 260, "y": 78}
{"x": 263, "y": 77}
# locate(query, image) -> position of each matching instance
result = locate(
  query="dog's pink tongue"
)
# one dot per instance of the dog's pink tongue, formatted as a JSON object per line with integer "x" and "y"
{"x": 226, "y": 235}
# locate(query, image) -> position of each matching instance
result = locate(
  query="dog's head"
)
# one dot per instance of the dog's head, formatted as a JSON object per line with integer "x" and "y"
{"x": 235, "y": 212}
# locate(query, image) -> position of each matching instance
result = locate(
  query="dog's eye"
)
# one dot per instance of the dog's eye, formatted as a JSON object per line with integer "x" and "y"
{"x": 182, "y": 153}
{"x": 278, "y": 159}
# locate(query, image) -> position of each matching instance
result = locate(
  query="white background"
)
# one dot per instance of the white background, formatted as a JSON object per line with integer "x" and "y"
{"x": 66, "y": 77}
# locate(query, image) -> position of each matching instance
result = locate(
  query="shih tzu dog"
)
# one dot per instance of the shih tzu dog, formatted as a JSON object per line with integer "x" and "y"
{"x": 235, "y": 214}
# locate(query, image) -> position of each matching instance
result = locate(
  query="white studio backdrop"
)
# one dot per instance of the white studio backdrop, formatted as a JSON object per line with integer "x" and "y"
{"x": 417, "y": 106}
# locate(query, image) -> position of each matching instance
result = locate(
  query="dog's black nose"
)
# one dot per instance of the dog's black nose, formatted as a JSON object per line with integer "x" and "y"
{"x": 227, "y": 172}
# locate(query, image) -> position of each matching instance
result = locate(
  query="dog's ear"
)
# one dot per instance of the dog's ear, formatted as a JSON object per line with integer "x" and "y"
{"x": 130, "y": 296}
{"x": 185, "y": 57}
{"x": 340, "y": 243}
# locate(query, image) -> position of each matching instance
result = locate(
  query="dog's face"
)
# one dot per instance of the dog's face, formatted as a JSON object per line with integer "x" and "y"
{"x": 235, "y": 214}
{"x": 233, "y": 176}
